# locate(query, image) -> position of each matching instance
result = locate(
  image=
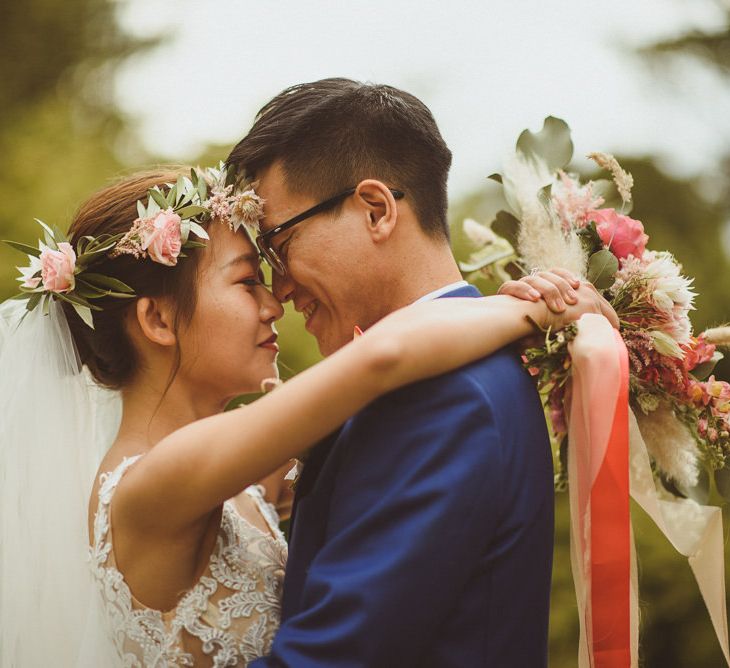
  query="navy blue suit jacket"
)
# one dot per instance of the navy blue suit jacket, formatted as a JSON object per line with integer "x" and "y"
{"x": 423, "y": 530}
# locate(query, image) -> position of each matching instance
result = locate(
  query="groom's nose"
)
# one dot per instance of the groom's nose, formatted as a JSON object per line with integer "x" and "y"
{"x": 282, "y": 287}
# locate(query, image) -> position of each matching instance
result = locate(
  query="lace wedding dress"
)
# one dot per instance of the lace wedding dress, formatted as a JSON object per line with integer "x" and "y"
{"x": 227, "y": 618}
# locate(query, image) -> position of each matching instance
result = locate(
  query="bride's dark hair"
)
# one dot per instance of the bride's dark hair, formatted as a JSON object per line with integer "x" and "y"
{"x": 107, "y": 349}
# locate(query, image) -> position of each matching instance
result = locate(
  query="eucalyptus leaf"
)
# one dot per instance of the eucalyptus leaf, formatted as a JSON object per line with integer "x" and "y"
{"x": 202, "y": 190}
{"x": 602, "y": 267}
{"x": 184, "y": 230}
{"x": 33, "y": 301}
{"x": 24, "y": 248}
{"x": 85, "y": 314}
{"x": 722, "y": 482}
{"x": 193, "y": 244}
{"x": 190, "y": 211}
{"x": 73, "y": 299}
{"x": 198, "y": 230}
{"x": 153, "y": 208}
{"x": 88, "y": 291}
{"x": 552, "y": 145}
{"x": 99, "y": 280}
{"x": 703, "y": 371}
{"x": 47, "y": 304}
{"x": 47, "y": 234}
{"x": 141, "y": 211}
{"x": 158, "y": 198}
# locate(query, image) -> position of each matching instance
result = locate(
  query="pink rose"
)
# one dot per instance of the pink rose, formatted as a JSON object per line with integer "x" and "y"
{"x": 162, "y": 240}
{"x": 624, "y": 236}
{"x": 57, "y": 268}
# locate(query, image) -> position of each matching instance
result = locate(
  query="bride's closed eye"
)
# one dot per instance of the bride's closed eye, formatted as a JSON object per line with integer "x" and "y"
{"x": 252, "y": 282}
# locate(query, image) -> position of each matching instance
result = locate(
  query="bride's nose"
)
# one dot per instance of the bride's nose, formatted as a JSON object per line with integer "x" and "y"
{"x": 271, "y": 308}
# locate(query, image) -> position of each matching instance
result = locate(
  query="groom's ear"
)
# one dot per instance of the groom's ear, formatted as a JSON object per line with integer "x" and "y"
{"x": 156, "y": 320}
{"x": 378, "y": 208}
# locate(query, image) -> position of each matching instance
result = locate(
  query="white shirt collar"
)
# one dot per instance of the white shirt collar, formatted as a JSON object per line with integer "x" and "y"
{"x": 441, "y": 291}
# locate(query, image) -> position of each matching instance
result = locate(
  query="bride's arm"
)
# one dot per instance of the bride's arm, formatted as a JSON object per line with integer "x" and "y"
{"x": 196, "y": 468}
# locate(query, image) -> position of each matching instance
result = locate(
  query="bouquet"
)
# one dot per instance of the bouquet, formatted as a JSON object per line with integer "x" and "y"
{"x": 556, "y": 220}
{"x": 645, "y": 416}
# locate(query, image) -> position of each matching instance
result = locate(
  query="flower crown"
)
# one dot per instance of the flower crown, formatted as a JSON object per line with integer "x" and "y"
{"x": 161, "y": 232}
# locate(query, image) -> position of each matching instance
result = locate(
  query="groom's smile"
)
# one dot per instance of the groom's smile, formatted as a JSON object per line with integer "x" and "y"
{"x": 324, "y": 257}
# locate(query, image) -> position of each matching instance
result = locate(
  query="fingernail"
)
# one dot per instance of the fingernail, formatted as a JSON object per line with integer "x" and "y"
{"x": 534, "y": 293}
{"x": 572, "y": 295}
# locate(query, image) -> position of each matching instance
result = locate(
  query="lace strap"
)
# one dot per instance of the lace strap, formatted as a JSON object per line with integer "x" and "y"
{"x": 267, "y": 510}
{"x": 107, "y": 485}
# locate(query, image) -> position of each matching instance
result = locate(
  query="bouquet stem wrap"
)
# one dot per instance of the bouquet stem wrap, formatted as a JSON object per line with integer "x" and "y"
{"x": 607, "y": 462}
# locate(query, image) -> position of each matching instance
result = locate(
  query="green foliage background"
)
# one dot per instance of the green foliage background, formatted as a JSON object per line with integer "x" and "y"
{"x": 61, "y": 138}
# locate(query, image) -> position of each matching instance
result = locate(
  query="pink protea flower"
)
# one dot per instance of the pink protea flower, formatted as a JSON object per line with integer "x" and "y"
{"x": 57, "y": 268}
{"x": 624, "y": 236}
{"x": 162, "y": 239}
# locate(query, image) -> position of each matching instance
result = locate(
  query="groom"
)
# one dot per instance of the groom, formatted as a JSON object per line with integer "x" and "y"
{"x": 422, "y": 532}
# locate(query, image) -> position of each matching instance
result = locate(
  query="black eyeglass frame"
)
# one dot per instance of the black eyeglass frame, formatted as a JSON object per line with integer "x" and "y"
{"x": 263, "y": 240}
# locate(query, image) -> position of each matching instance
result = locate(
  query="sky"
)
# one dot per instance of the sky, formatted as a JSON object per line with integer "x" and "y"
{"x": 486, "y": 69}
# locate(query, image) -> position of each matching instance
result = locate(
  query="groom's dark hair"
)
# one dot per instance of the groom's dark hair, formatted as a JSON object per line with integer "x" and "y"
{"x": 331, "y": 134}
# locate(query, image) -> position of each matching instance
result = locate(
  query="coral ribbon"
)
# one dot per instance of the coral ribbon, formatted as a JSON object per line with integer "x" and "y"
{"x": 598, "y": 463}
{"x": 607, "y": 462}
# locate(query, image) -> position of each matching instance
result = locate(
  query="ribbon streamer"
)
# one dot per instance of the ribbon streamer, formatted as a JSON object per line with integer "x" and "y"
{"x": 607, "y": 461}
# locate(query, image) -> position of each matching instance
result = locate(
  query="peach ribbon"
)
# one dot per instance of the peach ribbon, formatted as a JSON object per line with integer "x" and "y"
{"x": 607, "y": 462}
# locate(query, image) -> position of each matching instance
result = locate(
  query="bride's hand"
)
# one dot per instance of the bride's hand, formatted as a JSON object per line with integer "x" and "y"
{"x": 557, "y": 287}
{"x": 587, "y": 300}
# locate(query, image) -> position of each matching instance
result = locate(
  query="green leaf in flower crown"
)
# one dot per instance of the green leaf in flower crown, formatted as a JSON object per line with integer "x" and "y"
{"x": 495, "y": 177}
{"x": 85, "y": 314}
{"x": 158, "y": 198}
{"x": 198, "y": 230}
{"x": 202, "y": 190}
{"x": 107, "y": 282}
{"x": 33, "y": 301}
{"x": 47, "y": 234}
{"x": 171, "y": 196}
{"x": 193, "y": 244}
{"x": 722, "y": 482}
{"x": 71, "y": 298}
{"x": 190, "y": 211}
{"x": 141, "y": 211}
{"x": 602, "y": 266}
{"x": 184, "y": 230}
{"x": 703, "y": 371}
{"x": 552, "y": 145}
{"x": 24, "y": 248}
{"x": 180, "y": 187}
{"x": 87, "y": 291}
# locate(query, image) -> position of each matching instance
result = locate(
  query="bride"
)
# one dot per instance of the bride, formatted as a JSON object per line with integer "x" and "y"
{"x": 186, "y": 557}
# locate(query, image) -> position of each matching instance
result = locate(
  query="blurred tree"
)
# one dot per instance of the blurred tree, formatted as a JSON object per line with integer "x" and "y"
{"x": 710, "y": 46}
{"x": 59, "y": 132}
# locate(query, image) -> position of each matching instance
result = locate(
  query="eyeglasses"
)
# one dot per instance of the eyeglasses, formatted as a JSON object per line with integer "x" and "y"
{"x": 263, "y": 241}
